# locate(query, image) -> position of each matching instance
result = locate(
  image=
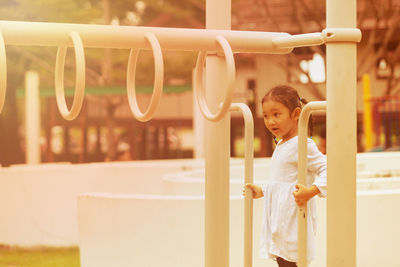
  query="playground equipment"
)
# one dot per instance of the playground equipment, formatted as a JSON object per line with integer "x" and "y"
{"x": 248, "y": 178}
{"x": 302, "y": 175}
{"x": 340, "y": 36}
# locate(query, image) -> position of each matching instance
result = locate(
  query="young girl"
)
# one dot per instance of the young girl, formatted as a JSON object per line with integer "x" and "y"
{"x": 281, "y": 109}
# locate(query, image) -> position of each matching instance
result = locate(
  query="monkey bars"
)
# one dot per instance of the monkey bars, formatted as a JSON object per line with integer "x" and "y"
{"x": 135, "y": 38}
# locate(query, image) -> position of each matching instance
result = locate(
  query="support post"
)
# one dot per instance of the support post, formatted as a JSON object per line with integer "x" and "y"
{"x": 302, "y": 177}
{"x": 198, "y": 126}
{"x": 248, "y": 178}
{"x": 32, "y": 118}
{"x": 218, "y": 16}
{"x": 341, "y": 138}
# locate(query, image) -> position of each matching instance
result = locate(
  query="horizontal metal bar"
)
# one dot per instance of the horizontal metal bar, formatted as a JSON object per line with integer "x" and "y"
{"x": 332, "y": 35}
{"x": 126, "y": 37}
{"x": 299, "y": 40}
{"x": 318, "y": 38}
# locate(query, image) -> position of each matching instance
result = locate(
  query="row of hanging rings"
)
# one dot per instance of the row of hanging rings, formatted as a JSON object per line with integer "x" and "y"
{"x": 131, "y": 92}
{"x": 80, "y": 79}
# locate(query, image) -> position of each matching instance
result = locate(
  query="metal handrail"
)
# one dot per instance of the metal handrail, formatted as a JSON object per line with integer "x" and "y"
{"x": 248, "y": 178}
{"x": 302, "y": 175}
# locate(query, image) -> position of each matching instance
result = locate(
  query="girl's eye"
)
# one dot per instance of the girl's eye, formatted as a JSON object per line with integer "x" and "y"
{"x": 276, "y": 114}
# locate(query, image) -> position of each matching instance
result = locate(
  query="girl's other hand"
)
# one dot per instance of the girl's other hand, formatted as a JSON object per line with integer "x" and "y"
{"x": 257, "y": 190}
{"x": 303, "y": 194}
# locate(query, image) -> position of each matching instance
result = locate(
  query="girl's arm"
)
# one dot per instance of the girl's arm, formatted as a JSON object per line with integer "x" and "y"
{"x": 316, "y": 163}
{"x": 257, "y": 190}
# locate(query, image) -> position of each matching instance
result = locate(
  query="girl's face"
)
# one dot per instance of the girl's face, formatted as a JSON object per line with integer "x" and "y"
{"x": 279, "y": 120}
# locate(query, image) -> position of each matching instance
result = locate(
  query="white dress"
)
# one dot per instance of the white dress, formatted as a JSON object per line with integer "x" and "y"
{"x": 279, "y": 229}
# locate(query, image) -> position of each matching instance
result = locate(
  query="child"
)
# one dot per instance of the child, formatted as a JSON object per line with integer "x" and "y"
{"x": 281, "y": 110}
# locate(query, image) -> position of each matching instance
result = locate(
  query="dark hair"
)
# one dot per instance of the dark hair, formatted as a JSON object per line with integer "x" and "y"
{"x": 289, "y": 97}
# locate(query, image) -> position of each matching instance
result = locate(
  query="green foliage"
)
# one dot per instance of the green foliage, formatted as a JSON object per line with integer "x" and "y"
{"x": 42, "y": 59}
{"x": 71, "y": 11}
{"x": 177, "y": 67}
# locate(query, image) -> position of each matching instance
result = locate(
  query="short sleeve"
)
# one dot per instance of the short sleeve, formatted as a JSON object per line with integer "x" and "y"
{"x": 264, "y": 189}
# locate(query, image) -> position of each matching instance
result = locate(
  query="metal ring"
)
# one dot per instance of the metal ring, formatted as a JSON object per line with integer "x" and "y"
{"x": 79, "y": 78}
{"x": 230, "y": 81}
{"x": 158, "y": 79}
{"x": 3, "y": 72}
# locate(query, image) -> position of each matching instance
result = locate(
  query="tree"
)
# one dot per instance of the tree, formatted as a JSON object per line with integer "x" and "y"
{"x": 99, "y": 62}
{"x": 377, "y": 19}
{"x": 42, "y": 59}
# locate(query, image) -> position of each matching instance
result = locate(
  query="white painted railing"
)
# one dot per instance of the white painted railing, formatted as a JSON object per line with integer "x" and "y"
{"x": 248, "y": 178}
{"x": 302, "y": 175}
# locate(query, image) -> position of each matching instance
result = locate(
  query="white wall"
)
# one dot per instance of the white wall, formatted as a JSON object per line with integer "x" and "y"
{"x": 38, "y": 204}
{"x": 137, "y": 230}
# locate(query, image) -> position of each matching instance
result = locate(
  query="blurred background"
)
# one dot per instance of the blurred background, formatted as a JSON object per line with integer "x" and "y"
{"x": 107, "y": 131}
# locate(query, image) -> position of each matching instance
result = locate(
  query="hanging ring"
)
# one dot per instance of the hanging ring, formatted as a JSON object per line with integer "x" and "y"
{"x": 230, "y": 81}
{"x": 79, "y": 78}
{"x": 3, "y": 72}
{"x": 158, "y": 79}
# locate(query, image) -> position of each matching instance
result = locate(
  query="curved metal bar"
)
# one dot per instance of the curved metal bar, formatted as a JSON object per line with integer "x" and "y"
{"x": 302, "y": 175}
{"x": 248, "y": 178}
{"x": 230, "y": 81}
{"x": 79, "y": 78}
{"x": 158, "y": 80}
{"x": 3, "y": 72}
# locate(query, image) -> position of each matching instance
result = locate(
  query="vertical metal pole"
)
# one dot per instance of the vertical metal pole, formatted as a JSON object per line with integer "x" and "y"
{"x": 341, "y": 138}
{"x": 218, "y": 16}
{"x": 248, "y": 178}
{"x": 32, "y": 118}
{"x": 302, "y": 177}
{"x": 198, "y": 126}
